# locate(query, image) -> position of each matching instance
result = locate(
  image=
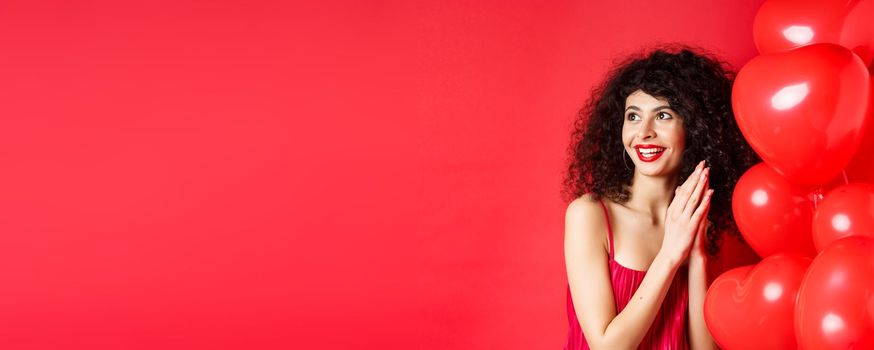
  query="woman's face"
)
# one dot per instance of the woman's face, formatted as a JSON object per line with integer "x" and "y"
{"x": 653, "y": 135}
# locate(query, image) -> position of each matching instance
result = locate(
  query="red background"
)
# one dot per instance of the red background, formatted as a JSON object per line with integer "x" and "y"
{"x": 263, "y": 174}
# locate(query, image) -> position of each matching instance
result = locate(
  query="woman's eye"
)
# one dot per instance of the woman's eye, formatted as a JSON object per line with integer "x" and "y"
{"x": 664, "y": 115}
{"x": 632, "y": 116}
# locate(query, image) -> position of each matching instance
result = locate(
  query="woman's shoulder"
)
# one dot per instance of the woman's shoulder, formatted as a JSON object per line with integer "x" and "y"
{"x": 584, "y": 212}
{"x": 585, "y": 234}
{"x": 586, "y": 202}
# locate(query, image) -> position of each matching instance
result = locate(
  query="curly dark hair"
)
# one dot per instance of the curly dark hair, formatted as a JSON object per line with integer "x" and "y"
{"x": 698, "y": 87}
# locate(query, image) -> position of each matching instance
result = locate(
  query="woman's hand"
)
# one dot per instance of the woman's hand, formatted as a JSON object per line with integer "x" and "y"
{"x": 685, "y": 214}
{"x": 699, "y": 249}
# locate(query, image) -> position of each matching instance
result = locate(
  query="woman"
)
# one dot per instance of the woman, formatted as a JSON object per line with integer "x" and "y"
{"x": 655, "y": 153}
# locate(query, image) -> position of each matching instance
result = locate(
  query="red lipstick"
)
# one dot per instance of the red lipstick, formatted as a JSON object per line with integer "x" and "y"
{"x": 649, "y": 153}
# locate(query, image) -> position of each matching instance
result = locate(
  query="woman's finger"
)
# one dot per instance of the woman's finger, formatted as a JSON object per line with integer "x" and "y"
{"x": 693, "y": 177}
{"x": 702, "y": 224}
{"x": 685, "y": 190}
{"x": 703, "y": 208}
{"x": 702, "y": 228}
{"x": 695, "y": 197}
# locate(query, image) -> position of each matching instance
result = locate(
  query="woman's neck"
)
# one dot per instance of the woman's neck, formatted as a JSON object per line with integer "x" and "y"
{"x": 652, "y": 195}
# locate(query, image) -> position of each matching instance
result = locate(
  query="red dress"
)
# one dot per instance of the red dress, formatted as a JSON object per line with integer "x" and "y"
{"x": 668, "y": 330}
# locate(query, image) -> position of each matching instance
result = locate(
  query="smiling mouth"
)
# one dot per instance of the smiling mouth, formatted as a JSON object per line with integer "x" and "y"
{"x": 649, "y": 154}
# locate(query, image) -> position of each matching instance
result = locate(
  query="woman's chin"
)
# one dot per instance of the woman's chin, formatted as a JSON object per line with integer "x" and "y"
{"x": 651, "y": 173}
{"x": 654, "y": 170}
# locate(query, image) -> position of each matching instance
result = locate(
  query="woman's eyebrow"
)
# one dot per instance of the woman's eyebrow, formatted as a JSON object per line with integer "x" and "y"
{"x": 654, "y": 109}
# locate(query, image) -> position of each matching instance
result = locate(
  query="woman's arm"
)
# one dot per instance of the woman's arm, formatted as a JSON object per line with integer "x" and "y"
{"x": 699, "y": 335}
{"x": 589, "y": 280}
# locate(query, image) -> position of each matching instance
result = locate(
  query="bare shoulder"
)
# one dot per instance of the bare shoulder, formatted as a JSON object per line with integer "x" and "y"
{"x": 585, "y": 211}
{"x": 584, "y": 219}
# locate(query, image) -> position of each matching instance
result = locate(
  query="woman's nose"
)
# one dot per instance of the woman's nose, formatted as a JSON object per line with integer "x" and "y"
{"x": 646, "y": 132}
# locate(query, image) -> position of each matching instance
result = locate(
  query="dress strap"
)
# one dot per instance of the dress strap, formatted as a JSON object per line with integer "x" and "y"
{"x": 609, "y": 230}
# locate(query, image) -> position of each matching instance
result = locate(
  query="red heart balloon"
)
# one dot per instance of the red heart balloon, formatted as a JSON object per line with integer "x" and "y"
{"x": 752, "y": 307}
{"x": 803, "y": 111}
{"x": 782, "y": 25}
{"x": 861, "y": 168}
{"x": 772, "y": 214}
{"x": 858, "y": 30}
{"x": 845, "y": 211}
{"x": 835, "y": 309}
